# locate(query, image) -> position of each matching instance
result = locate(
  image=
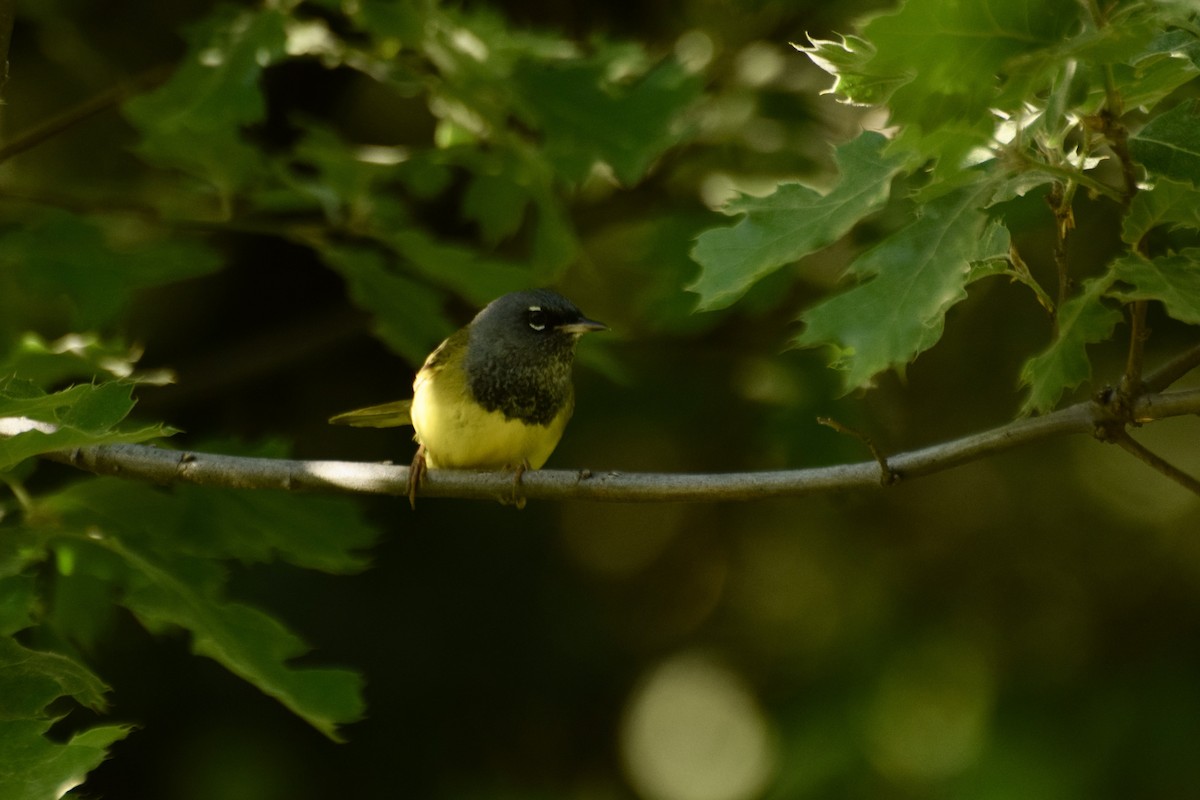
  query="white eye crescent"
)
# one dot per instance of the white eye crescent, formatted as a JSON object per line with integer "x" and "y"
{"x": 536, "y": 318}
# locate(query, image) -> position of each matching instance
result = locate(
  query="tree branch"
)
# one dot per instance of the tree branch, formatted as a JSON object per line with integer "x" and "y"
{"x": 168, "y": 466}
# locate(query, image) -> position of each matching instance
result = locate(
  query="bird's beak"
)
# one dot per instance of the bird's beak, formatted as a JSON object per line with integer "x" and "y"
{"x": 582, "y": 326}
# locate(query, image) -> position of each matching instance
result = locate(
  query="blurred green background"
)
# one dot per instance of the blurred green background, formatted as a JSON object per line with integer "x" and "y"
{"x": 1026, "y": 626}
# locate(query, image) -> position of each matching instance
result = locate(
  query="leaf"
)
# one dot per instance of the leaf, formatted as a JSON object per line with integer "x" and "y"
{"x": 194, "y": 121}
{"x": 910, "y": 280}
{"x": 937, "y": 63}
{"x": 1165, "y": 203}
{"x": 249, "y": 643}
{"x": 309, "y": 531}
{"x": 587, "y": 116}
{"x": 1167, "y": 62}
{"x": 463, "y": 270}
{"x": 1082, "y": 320}
{"x": 87, "y": 270}
{"x": 1169, "y": 145}
{"x": 791, "y": 223}
{"x": 32, "y": 767}
{"x": 76, "y": 356}
{"x": 161, "y": 550}
{"x": 408, "y": 314}
{"x": 846, "y": 60}
{"x": 1174, "y": 280}
{"x": 17, "y": 597}
{"x": 82, "y": 416}
{"x": 497, "y": 204}
{"x": 31, "y": 679}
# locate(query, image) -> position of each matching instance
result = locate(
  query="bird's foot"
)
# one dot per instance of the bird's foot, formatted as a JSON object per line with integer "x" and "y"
{"x": 516, "y": 499}
{"x": 416, "y": 475}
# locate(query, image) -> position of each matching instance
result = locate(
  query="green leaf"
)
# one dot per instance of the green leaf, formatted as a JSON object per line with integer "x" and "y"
{"x": 81, "y": 416}
{"x": 1167, "y": 62}
{"x": 32, "y": 767}
{"x": 791, "y": 223}
{"x": 408, "y": 314}
{"x": 194, "y": 121}
{"x": 846, "y": 60}
{"x": 910, "y": 280}
{"x": 1173, "y": 280}
{"x": 75, "y": 356}
{"x": 1168, "y": 202}
{"x": 17, "y": 597}
{"x": 160, "y": 549}
{"x": 463, "y": 270}
{"x": 249, "y": 643}
{"x": 91, "y": 271}
{"x": 1082, "y": 320}
{"x": 1169, "y": 145}
{"x": 577, "y": 103}
{"x": 497, "y": 204}
{"x": 937, "y": 63}
{"x": 309, "y": 531}
{"x": 31, "y": 679}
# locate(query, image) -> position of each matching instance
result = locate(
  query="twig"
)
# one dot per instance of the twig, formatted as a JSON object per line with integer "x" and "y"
{"x": 1059, "y": 199}
{"x": 886, "y": 475}
{"x": 1131, "y": 381}
{"x": 1141, "y": 452}
{"x": 167, "y": 466}
{"x": 88, "y": 108}
{"x": 1166, "y": 375}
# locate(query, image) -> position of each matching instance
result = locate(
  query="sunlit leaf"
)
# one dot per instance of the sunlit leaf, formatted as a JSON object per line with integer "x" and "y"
{"x": 846, "y": 59}
{"x": 80, "y": 416}
{"x": 76, "y": 356}
{"x": 939, "y": 63}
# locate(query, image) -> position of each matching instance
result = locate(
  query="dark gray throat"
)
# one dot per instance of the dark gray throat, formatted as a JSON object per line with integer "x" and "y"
{"x": 529, "y": 386}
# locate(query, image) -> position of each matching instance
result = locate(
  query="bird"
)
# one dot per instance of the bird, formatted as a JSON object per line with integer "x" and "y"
{"x": 496, "y": 394}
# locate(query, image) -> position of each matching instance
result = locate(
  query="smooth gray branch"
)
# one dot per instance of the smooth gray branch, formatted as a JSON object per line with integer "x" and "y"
{"x": 171, "y": 466}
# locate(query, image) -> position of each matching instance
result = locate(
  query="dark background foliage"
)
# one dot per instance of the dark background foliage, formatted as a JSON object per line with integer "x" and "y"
{"x": 1021, "y": 626}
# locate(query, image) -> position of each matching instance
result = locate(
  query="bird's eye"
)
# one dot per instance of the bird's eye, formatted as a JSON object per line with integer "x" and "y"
{"x": 536, "y": 318}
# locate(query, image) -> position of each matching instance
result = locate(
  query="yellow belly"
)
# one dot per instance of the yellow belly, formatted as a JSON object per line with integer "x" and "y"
{"x": 460, "y": 434}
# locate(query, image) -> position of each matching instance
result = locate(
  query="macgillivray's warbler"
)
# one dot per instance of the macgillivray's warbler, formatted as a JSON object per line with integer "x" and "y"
{"x": 497, "y": 394}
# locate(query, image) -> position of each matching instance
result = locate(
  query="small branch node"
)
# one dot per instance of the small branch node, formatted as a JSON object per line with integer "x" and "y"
{"x": 887, "y": 476}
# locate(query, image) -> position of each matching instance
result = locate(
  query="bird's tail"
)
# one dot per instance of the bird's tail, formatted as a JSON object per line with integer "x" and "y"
{"x": 386, "y": 415}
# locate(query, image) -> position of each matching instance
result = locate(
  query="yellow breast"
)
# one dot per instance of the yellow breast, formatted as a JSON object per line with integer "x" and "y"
{"x": 458, "y": 433}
